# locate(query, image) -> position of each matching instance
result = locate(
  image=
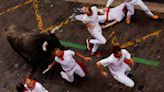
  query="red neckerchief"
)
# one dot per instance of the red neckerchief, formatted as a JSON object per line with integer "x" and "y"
{"x": 34, "y": 82}
{"x": 107, "y": 14}
{"x": 62, "y": 57}
{"x": 24, "y": 90}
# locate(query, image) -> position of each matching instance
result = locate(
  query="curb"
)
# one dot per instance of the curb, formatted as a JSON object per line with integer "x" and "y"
{"x": 156, "y": 7}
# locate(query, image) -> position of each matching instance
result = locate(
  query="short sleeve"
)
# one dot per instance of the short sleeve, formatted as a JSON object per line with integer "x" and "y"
{"x": 85, "y": 19}
{"x": 95, "y": 10}
{"x": 127, "y": 54}
{"x": 40, "y": 88}
{"x": 71, "y": 52}
{"x": 79, "y": 17}
{"x": 105, "y": 62}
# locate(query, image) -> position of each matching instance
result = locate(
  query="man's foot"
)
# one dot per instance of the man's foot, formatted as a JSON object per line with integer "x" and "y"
{"x": 89, "y": 45}
{"x": 97, "y": 54}
{"x": 131, "y": 76}
{"x": 127, "y": 20}
{"x": 155, "y": 17}
{"x": 63, "y": 75}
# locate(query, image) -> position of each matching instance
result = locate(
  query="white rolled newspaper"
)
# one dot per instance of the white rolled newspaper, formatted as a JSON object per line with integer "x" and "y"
{"x": 46, "y": 70}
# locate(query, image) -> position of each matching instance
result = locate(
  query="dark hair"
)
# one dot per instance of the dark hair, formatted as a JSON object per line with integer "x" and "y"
{"x": 27, "y": 76}
{"x": 90, "y": 11}
{"x": 20, "y": 87}
{"x": 116, "y": 49}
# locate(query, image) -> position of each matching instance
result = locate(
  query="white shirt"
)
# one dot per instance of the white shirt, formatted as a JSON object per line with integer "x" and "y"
{"x": 114, "y": 64}
{"x": 68, "y": 62}
{"x": 115, "y": 13}
{"x": 93, "y": 19}
{"x": 38, "y": 88}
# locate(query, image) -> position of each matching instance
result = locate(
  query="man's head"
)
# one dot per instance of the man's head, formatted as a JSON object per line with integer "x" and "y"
{"x": 29, "y": 81}
{"x": 117, "y": 51}
{"x": 87, "y": 10}
{"x": 57, "y": 52}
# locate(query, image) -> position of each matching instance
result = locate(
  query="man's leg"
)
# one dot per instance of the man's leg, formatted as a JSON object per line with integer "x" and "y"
{"x": 67, "y": 76}
{"x": 99, "y": 39}
{"x": 79, "y": 71}
{"x": 122, "y": 78}
{"x": 146, "y": 9}
{"x": 125, "y": 69}
{"x": 130, "y": 8}
{"x": 95, "y": 47}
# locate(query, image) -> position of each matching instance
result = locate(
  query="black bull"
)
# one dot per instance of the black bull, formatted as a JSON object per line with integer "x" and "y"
{"x": 29, "y": 46}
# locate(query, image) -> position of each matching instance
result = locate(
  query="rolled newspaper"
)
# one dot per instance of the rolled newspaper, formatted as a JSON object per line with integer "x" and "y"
{"x": 46, "y": 70}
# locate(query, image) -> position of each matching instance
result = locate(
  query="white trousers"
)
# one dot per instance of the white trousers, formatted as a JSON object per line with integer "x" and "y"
{"x": 123, "y": 78}
{"x": 96, "y": 33}
{"x": 69, "y": 75}
{"x": 130, "y": 6}
{"x": 99, "y": 39}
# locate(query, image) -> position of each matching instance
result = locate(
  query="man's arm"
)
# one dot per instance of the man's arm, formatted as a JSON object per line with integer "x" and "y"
{"x": 83, "y": 57}
{"x": 56, "y": 28}
{"x": 109, "y": 2}
{"x": 100, "y": 67}
{"x": 49, "y": 67}
{"x": 52, "y": 64}
{"x": 128, "y": 60}
{"x": 109, "y": 24}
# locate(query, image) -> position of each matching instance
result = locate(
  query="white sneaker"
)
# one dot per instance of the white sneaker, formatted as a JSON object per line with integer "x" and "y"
{"x": 88, "y": 44}
{"x": 63, "y": 75}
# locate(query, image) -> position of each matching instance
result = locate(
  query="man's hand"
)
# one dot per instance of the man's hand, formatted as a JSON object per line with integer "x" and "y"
{"x": 87, "y": 58}
{"x": 103, "y": 26}
{"x": 133, "y": 63}
{"x": 105, "y": 9}
{"x": 129, "y": 62}
{"x": 104, "y": 74}
{"x": 50, "y": 66}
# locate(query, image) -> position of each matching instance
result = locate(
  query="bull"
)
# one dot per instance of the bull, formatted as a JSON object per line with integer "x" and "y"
{"x": 31, "y": 46}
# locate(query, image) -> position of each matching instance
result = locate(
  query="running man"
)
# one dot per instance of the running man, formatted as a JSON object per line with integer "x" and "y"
{"x": 69, "y": 65}
{"x": 32, "y": 85}
{"x": 117, "y": 63}
{"x": 90, "y": 19}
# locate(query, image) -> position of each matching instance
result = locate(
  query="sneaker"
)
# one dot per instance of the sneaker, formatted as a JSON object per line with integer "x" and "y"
{"x": 131, "y": 77}
{"x": 127, "y": 20}
{"x": 89, "y": 44}
{"x": 62, "y": 74}
{"x": 155, "y": 17}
